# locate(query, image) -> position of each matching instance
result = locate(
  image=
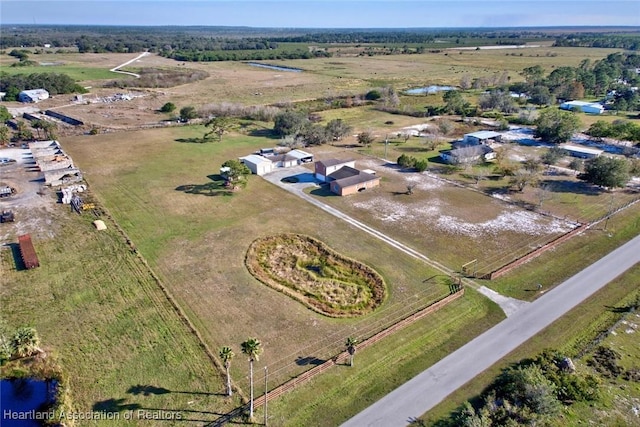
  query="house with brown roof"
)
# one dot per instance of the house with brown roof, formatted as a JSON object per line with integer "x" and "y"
{"x": 343, "y": 177}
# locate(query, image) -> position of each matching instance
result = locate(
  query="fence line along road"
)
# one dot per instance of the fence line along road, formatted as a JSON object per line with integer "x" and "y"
{"x": 432, "y": 386}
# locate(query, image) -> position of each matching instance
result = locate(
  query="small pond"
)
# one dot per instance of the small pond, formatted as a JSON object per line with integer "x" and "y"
{"x": 21, "y": 396}
{"x": 428, "y": 90}
{"x": 274, "y": 67}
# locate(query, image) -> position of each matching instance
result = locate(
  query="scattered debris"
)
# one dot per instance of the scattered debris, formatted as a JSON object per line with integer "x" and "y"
{"x": 99, "y": 224}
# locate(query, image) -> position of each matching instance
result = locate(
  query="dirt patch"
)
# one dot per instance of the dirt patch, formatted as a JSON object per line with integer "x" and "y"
{"x": 312, "y": 273}
{"x": 33, "y": 203}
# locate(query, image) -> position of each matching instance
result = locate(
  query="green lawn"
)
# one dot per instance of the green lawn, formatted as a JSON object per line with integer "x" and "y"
{"x": 100, "y": 313}
{"x": 197, "y": 243}
{"x": 572, "y": 333}
{"x": 77, "y": 73}
{"x": 341, "y": 392}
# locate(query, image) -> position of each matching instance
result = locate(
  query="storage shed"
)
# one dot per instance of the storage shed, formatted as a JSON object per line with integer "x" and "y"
{"x": 33, "y": 95}
{"x": 581, "y": 152}
{"x": 257, "y": 164}
{"x": 585, "y": 107}
{"x": 482, "y": 137}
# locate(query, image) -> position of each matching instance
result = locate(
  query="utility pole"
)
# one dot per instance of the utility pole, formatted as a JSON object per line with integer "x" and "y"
{"x": 386, "y": 142}
{"x": 266, "y": 390}
{"x": 606, "y": 221}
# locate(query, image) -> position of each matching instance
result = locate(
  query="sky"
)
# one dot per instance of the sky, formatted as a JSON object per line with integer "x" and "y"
{"x": 325, "y": 13}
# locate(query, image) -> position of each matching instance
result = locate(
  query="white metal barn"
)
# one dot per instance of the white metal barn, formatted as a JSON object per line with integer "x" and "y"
{"x": 482, "y": 137}
{"x": 257, "y": 164}
{"x": 585, "y": 107}
{"x": 34, "y": 95}
{"x": 581, "y": 152}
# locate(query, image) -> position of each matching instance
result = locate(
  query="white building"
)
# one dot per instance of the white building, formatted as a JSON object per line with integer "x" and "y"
{"x": 33, "y": 95}
{"x": 585, "y": 107}
{"x": 257, "y": 164}
{"x": 301, "y": 156}
{"x": 581, "y": 152}
{"x": 482, "y": 137}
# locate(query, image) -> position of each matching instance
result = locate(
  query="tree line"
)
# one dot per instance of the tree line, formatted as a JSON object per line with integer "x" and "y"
{"x": 614, "y": 41}
{"x": 54, "y": 83}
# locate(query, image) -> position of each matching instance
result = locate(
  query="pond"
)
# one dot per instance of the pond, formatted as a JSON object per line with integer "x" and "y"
{"x": 22, "y": 398}
{"x": 274, "y": 67}
{"x": 428, "y": 90}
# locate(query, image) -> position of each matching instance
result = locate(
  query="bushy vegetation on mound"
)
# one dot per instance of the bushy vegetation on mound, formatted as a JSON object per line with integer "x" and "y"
{"x": 312, "y": 273}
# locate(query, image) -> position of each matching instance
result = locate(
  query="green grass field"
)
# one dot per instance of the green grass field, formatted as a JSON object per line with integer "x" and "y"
{"x": 121, "y": 343}
{"x": 197, "y": 244}
{"x": 582, "y": 324}
{"x": 118, "y": 340}
{"x": 343, "y": 391}
{"x": 78, "y": 73}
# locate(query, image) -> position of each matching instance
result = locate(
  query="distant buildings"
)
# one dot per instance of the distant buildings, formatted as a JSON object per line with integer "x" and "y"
{"x": 585, "y": 107}
{"x": 33, "y": 95}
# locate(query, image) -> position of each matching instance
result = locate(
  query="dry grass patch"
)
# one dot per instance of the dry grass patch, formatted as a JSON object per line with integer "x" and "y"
{"x": 309, "y": 271}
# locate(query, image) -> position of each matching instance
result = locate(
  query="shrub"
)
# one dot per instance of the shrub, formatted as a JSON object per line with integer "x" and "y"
{"x": 169, "y": 107}
{"x": 373, "y": 95}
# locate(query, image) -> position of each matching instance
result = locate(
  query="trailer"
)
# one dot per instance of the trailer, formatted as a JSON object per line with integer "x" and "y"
{"x": 28, "y": 252}
{"x": 6, "y": 191}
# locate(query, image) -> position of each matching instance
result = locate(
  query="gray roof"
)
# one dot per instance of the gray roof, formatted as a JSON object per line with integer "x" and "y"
{"x": 356, "y": 179}
{"x": 299, "y": 154}
{"x": 470, "y": 151}
{"x": 344, "y": 172}
{"x": 255, "y": 159}
{"x": 484, "y": 134}
{"x": 334, "y": 162}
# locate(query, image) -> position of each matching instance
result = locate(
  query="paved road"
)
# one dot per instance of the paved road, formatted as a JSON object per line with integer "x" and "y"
{"x": 306, "y": 179}
{"x": 432, "y": 386}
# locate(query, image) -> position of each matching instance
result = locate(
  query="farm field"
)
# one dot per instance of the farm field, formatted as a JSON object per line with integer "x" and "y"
{"x": 234, "y": 82}
{"x": 163, "y": 187}
{"x": 197, "y": 244}
{"x": 450, "y": 224}
{"x": 103, "y": 318}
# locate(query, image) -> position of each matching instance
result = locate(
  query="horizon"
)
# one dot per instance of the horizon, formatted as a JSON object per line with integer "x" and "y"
{"x": 548, "y": 27}
{"x": 325, "y": 14}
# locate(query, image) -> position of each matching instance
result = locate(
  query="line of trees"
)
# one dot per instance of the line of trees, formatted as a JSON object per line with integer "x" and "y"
{"x": 300, "y": 127}
{"x": 252, "y": 348}
{"x": 615, "y": 72}
{"x": 54, "y": 83}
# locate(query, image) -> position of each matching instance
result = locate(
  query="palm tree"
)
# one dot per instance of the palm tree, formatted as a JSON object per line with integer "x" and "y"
{"x": 226, "y": 354}
{"x": 251, "y": 348}
{"x": 26, "y": 341}
{"x": 351, "y": 348}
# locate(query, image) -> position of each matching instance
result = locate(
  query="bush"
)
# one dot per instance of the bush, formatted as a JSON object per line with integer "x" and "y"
{"x": 373, "y": 95}
{"x": 169, "y": 107}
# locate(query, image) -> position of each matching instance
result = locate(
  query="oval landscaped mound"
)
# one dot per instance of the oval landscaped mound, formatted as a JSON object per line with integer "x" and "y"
{"x": 314, "y": 274}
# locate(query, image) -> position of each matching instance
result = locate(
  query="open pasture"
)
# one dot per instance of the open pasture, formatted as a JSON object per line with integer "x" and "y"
{"x": 448, "y": 223}
{"x": 237, "y": 82}
{"x": 197, "y": 244}
{"x": 102, "y": 316}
